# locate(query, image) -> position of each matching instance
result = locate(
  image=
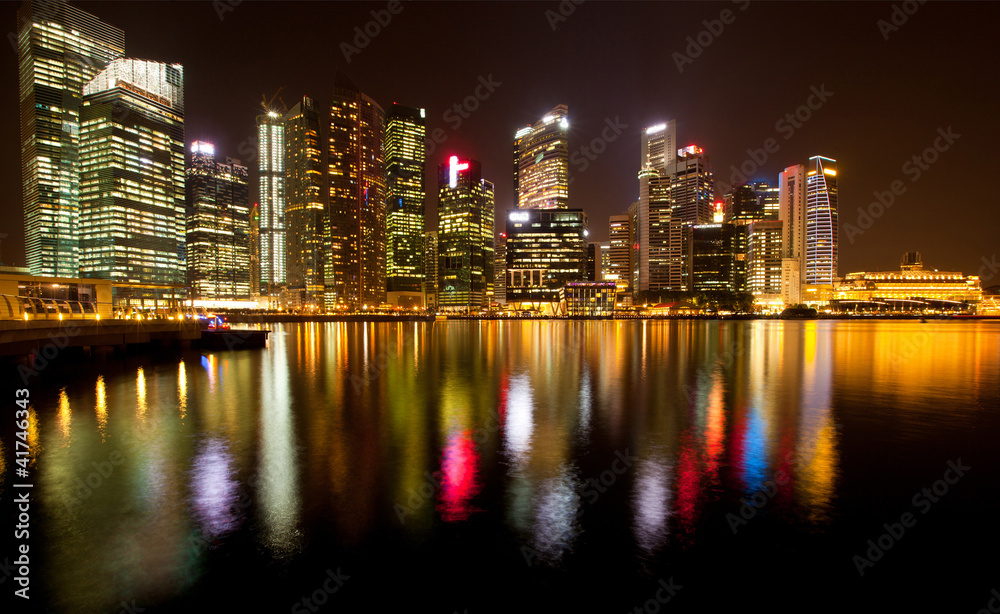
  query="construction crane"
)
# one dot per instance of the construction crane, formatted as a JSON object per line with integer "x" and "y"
{"x": 268, "y": 105}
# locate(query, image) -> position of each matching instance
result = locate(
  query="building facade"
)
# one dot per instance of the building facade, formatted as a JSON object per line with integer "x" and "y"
{"x": 218, "y": 226}
{"x": 712, "y": 257}
{"x": 132, "y": 196}
{"x": 541, "y": 162}
{"x": 404, "y": 158}
{"x": 271, "y": 186}
{"x": 764, "y": 254}
{"x": 545, "y": 250}
{"x": 821, "y": 220}
{"x": 465, "y": 237}
{"x": 60, "y": 48}
{"x": 305, "y": 202}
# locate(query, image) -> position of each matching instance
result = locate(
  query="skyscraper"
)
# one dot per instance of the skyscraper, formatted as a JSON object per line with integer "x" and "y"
{"x": 541, "y": 162}
{"x": 620, "y": 265}
{"x": 132, "y": 214}
{"x": 355, "y": 256}
{"x": 430, "y": 269}
{"x": 404, "y": 218}
{"x": 60, "y": 49}
{"x": 465, "y": 236}
{"x": 546, "y": 249}
{"x": 218, "y": 226}
{"x": 500, "y": 268}
{"x": 767, "y": 196}
{"x": 821, "y": 236}
{"x": 305, "y": 196}
{"x": 791, "y": 211}
{"x": 271, "y": 168}
{"x": 764, "y": 260}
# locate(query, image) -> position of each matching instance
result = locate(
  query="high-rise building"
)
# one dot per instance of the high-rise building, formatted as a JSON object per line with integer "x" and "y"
{"x": 465, "y": 236}
{"x": 255, "y": 250}
{"x": 791, "y": 212}
{"x": 742, "y": 206}
{"x": 305, "y": 201}
{"x": 712, "y": 257}
{"x": 605, "y": 260}
{"x": 404, "y": 219}
{"x": 541, "y": 162}
{"x": 218, "y": 226}
{"x": 60, "y": 49}
{"x": 658, "y": 147}
{"x": 692, "y": 187}
{"x": 355, "y": 257}
{"x": 545, "y": 251}
{"x": 619, "y": 268}
{"x": 500, "y": 268}
{"x": 593, "y": 262}
{"x": 767, "y": 196}
{"x": 821, "y": 234}
{"x": 271, "y": 175}
{"x": 431, "y": 269}
{"x": 132, "y": 213}
{"x": 764, "y": 260}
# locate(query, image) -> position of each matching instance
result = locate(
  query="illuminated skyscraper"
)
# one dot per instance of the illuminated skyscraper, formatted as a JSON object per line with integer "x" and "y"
{"x": 500, "y": 268}
{"x": 821, "y": 221}
{"x": 430, "y": 269}
{"x": 271, "y": 169}
{"x": 404, "y": 218}
{"x": 764, "y": 260}
{"x": 767, "y": 195}
{"x": 218, "y": 226}
{"x": 619, "y": 269}
{"x": 465, "y": 236}
{"x": 355, "y": 256}
{"x": 132, "y": 214}
{"x": 60, "y": 49}
{"x": 541, "y": 162}
{"x": 255, "y": 250}
{"x": 305, "y": 195}
{"x": 791, "y": 211}
{"x": 545, "y": 251}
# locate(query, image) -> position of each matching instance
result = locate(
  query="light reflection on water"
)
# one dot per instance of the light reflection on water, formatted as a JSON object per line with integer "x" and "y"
{"x": 320, "y": 435}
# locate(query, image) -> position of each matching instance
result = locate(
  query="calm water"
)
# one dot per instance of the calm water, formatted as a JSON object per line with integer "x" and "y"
{"x": 524, "y": 466}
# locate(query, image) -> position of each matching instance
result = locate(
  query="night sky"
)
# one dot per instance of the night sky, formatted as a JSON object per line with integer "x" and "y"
{"x": 615, "y": 62}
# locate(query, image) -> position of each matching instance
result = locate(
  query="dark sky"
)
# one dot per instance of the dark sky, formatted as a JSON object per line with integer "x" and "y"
{"x": 614, "y": 61}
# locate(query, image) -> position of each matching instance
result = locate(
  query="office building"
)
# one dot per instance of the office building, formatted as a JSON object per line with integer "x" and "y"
{"x": 355, "y": 258}
{"x": 271, "y": 186}
{"x": 821, "y": 235}
{"x": 593, "y": 262}
{"x": 589, "y": 298}
{"x": 60, "y": 48}
{"x": 712, "y": 257}
{"x": 619, "y": 268}
{"x": 404, "y": 159}
{"x": 218, "y": 226}
{"x": 305, "y": 202}
{"x": 545, "y": 251}
{"x": 767, "y": 196}
{"x": 764, "y": 255}
{"x": 132, "y": 212}
{"x": 465, "y": 237}
{"x": 500, "y": 268}
{"x": 430, "y": 269}
{"x": 791, "y": 212}
{"x": 541, "y": 162}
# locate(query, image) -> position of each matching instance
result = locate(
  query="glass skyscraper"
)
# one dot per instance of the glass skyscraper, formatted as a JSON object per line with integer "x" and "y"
{"x": 271, "y": 169}
{"x": 305, "y": 209}
{"x": 821, "y": 236}
{"x": 132, "y": 213}
{"x": 465, "y": 236}
{"x": 541, "y": 162}
{"x": 60, "y": 49}
{"x": 218, "y": 226}
{"x": 404, "y": 218}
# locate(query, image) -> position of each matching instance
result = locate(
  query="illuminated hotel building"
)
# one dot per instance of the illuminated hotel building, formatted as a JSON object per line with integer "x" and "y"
{"x": 545, "y": 251}
{"x": 541, "y": 162}
{"x": 465, "y": 236}
{"x": 821, "y": 235}
{"x": 132, "y": 213}
{"x": 218, "y": 226}
{"x": 304, "y": 201}
{"x": 912, "y": 287}
{"x": 271, "y": 169}
{"x": 59, "y": 49}
{"x": 355, "y": 256}
{"x": 404, "y": 219}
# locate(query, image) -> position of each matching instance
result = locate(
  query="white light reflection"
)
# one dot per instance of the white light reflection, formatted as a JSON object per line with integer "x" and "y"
{"x": 519, "y": 424}
{"x": 556, "y": 524}
{"x": 214, "y": 490}
{"x": 651, "y": 503}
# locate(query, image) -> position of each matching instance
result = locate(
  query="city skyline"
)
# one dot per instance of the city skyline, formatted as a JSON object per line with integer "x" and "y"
{"x": 607, "y": 185}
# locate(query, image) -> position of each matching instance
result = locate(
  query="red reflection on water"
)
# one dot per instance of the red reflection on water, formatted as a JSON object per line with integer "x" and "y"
{"x": 738, "y": 447}
{"x": 688, "y": 486}
{"x": 459, "y": 467}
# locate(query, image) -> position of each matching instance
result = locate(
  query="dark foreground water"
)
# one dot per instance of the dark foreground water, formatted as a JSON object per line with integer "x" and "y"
{"x": 523, "y": 466}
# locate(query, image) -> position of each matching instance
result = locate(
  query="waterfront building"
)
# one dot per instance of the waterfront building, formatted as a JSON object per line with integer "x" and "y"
{"x": 712, "y": 257}
{"x": 619, "y": 269}
{"x": 465, "y": 237}
{"x": 821, "y": 225}
{"x": 500, "y": 268}
{"x": 767, "y": 196}
{"x": 404, "y": 159}
{"x": 913, "y": 287}
{"x": 541, "y": 162}
{"x": 305, "y": 206}
{"x": 132, "y": 213}
{"x": 355, "y": 253}
{"x": 271, "y": 188}
{"x": 60, "y": 49}
{"x": 546, "y": 249}
{"x": 217, "y": 226}
{"x": 590, "y": 298}
{"x": 764, "y": 256}
{"x": 594, "y": 261}
{"x": 430, "y": 269}
{"x": 791, "y": 212}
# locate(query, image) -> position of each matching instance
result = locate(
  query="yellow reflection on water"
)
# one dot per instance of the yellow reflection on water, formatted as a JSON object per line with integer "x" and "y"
{"x": 65, "y": 415}
{"x": 140, "y": 392}
{"x": 101, "y": 408}
{"x": 182, "y": 389}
